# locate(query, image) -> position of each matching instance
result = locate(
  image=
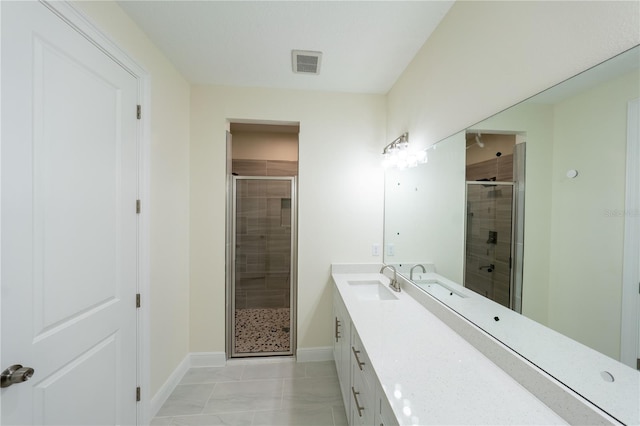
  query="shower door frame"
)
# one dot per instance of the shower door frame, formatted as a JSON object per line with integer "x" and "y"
{"x": 515, "y": 273}
{"x": 231, "y": 282}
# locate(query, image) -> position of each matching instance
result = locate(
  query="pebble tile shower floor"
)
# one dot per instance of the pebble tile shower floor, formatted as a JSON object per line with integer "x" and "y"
{"x": 256, "y": 392}
{"x": 262, "y": 330}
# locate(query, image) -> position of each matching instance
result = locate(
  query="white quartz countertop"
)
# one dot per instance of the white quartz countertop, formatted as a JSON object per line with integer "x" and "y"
{"x": 429, "y": 373}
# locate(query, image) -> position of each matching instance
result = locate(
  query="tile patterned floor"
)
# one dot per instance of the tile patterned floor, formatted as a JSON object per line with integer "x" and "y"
{"x": 256, "y": 392}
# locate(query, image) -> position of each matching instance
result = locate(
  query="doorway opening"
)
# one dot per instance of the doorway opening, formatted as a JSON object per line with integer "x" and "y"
{"x": 494, "y": 216}
{"x": 263, "y": 239}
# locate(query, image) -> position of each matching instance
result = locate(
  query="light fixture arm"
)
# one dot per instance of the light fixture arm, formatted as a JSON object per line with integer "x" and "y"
{"x": 401, "y": 142}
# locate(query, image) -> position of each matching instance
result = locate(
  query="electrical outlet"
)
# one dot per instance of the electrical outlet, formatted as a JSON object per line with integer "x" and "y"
{"x": 375, "y": 250}
{"x": 391, "y": 250}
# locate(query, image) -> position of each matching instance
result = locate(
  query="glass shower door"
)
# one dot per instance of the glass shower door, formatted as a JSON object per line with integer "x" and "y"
{"x": 262, "y": 281}
{"x": 489, "y": 242}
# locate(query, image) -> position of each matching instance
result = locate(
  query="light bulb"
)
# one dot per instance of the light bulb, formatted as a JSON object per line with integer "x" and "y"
{"x": 421, "y": 156}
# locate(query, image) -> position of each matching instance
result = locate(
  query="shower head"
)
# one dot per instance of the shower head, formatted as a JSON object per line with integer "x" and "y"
{"x": 479, "y": 141}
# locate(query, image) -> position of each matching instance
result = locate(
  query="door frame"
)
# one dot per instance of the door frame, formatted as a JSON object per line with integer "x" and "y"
{"x": 630, "y": 329}
{"x": 231, "y": 271}
{"x": 78, "y": 21}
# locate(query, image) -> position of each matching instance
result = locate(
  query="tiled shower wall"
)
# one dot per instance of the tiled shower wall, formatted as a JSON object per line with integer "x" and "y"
{"x": 263, "y": 234}
{"x": 489, "y": 209}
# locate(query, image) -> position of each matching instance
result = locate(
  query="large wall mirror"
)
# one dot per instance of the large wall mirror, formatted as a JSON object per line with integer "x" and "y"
{"x": 564, "y": 218}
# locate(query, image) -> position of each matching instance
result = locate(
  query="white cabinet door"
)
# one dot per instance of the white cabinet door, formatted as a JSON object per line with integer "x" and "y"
{"x": 341, "y": 347}
{"x": 384, "y": 414}
{"x": 362, "y": 382}
{"x": 68, "y": 224}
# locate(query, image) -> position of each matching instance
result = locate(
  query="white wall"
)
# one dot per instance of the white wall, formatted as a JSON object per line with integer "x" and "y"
{"x": 340, "y": 196}
{"x": 169, "y": 208}
{"x": 588, "y": 212}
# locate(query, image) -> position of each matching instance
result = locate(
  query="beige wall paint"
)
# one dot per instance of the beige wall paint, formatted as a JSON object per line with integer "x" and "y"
{"x": 169, "y": 181}
{"x": 265, "y": 146}
{"x": 487, "y": 55}
{"x": 340, "y": 196}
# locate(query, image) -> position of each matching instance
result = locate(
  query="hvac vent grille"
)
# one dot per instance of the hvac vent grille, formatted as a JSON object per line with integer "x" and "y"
{"x": 306, "y": 62}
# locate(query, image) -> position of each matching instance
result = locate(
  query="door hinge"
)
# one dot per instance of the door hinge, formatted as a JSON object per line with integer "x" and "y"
{"x": 139, "y": 112}
{"x": 138, "y": 300}
{"x": 138, "y": 394}
{"x": 137, "y": 206}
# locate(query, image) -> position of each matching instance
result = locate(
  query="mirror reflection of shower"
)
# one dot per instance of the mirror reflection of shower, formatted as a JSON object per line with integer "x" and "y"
{"x": 491, "y": 198}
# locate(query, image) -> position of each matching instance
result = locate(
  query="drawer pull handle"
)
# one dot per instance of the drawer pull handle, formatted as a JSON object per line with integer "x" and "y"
{"x": 355, "y": 397}
{"x": 337, "y": 333}
{"x": 355, "y": 353}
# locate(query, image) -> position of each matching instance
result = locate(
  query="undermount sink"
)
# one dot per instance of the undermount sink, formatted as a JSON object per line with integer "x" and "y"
{"x": 438, "y": 289}
{"x": 371, "y": 290}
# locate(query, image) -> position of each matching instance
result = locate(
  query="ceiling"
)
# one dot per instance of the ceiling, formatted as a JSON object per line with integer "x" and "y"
{"x": 366, "y": 44}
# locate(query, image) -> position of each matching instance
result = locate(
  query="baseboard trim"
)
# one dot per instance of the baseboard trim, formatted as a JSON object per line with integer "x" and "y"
{"x": 208, "y": 359}
{"x": 193, "y": 359}
{"x": 169, "y": 385}
{"x": 323, "y": 353}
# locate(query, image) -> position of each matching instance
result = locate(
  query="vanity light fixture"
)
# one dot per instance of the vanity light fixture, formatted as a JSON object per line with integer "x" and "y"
{"x": 396, "y": 154}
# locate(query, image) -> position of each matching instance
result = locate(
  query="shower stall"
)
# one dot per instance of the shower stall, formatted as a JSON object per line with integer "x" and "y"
{"x": 494, "y": 234}
{"x": 263, "y": 272}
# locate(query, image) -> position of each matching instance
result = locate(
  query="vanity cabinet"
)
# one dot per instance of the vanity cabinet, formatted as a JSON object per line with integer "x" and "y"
{"x": 384, "y": 414}
{"x": 342, "y": 347}
{"x": 362, "y": 384}
{"x": 364, "y": 400}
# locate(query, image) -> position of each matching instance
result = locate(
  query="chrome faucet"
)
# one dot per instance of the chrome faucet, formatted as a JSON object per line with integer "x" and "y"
{"x": 424, "y": 271}
{"x": 394, "y": 284}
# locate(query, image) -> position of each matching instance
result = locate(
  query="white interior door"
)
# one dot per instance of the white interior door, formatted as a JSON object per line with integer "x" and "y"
{"x": 68, "y": 224}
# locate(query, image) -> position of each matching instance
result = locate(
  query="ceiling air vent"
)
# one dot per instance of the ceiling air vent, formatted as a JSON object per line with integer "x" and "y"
{"x": 306, "y": 62}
